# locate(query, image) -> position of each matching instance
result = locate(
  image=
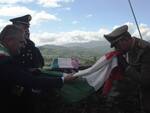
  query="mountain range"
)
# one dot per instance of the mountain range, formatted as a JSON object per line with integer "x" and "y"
{"x": 93, "y": 48}
{"x": 87, "y": 52}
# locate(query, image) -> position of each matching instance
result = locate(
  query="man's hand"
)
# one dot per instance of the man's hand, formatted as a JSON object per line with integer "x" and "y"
{"x": 69, "y": 78}
{"x": 35, "y": 71}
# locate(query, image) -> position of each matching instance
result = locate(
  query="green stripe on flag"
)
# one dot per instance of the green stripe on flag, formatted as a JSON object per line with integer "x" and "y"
{"x": 51, "y": 73}
{"x": 55, "y": 64}
{"x": 76, "y": 91}
{"x": 4, "y": 50}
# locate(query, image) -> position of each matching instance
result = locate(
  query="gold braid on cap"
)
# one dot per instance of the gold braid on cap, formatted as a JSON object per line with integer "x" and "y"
{"x": 29, "y": 18}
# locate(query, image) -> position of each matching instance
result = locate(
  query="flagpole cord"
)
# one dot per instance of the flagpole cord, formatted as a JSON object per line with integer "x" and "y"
{"x": 135, "y": 19}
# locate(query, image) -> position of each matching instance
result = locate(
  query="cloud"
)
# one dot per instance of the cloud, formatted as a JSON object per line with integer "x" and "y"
{"x": 9, "y": 10}
{"x": 43, "y": 16}
{"x": 14, "y": 1}
{"x": 49, "y": 3}
{"x": 67, "y": 8}
{"x": 64, "y": 37}
{"x": 75, "y": 22}
{"x": 3, "y": 23}
{"x": 89, "y": 16}
{"x": 44, "y": 3}
{"x": 103, "y": 31}
{"x": 84, "y": 36}
{"x": 37, "y": 16}
{"x": 53, "y": 3}
{"x": 145, "y": 31}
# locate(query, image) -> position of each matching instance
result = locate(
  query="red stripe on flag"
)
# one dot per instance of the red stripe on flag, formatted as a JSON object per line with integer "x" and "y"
{"x": 112, "y": 54}
{"x": 116, "y": 74}
{"x": 2, "y": 55}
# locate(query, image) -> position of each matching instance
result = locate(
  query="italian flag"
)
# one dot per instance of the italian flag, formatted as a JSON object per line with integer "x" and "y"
{"x": 4, "y": 54}
{"x": 90, "y": 80}
{"x": 66, "y": 63}
{"x": 3, "y": 51}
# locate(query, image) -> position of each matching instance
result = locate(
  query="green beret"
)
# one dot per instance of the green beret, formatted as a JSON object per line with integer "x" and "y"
{"x": 117, "y": 34}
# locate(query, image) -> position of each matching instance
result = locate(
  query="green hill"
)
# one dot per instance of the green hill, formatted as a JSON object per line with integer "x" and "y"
{"x": 87, "y": 52}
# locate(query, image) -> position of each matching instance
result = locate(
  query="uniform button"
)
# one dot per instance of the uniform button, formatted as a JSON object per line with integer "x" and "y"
{"x": 29, "y": 50}
{"x": 28, "y": 54}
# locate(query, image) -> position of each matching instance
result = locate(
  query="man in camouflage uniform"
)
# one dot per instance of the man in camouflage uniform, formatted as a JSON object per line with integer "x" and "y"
{"x": 135, "y": 61}
{"x": 30, "y": 56}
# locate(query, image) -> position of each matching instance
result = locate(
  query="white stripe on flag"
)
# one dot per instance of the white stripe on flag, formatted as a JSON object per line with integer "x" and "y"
{"x": 99, "y": 72}
{"x": 65, "y": 63}
{"x": 98, "y": 78}
{"x": 4, "y": 53}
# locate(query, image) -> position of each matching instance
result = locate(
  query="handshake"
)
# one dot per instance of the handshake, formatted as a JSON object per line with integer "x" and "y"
{"x": 69, "y": 77}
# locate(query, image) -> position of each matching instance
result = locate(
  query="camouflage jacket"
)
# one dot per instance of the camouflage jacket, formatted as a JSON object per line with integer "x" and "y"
{"x": 139, "y": 62}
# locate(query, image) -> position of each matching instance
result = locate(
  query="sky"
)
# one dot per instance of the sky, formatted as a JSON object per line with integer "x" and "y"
{"x": 60, "y": 22}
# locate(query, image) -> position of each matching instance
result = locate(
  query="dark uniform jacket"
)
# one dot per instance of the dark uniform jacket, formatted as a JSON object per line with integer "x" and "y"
{"x": 12, "y": 75}
{"x": 30, "y": 56}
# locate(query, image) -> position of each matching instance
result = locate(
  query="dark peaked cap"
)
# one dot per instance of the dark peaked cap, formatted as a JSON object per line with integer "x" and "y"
{"x": 117, "y": 34}
{"x": 23, "y": 19}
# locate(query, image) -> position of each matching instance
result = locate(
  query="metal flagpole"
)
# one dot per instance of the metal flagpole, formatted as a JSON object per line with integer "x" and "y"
{"x": 139, "y": 85}
{"x": 135, "y": 19}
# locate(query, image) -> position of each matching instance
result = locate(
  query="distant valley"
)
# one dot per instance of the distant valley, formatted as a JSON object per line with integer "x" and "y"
{"x": 86, "y": 52}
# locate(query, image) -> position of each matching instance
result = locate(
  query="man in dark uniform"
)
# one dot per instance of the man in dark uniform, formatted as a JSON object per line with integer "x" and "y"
{"x": 11, "y": 41}
{"x": 137, "y": 62}
{"x": 31, "y": 59}
{"x": 30, "y": 56}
